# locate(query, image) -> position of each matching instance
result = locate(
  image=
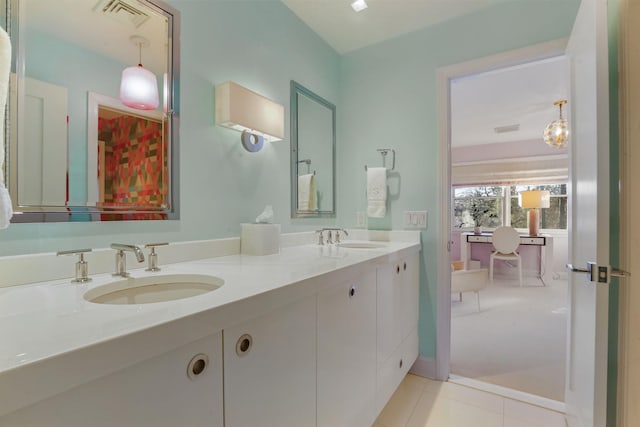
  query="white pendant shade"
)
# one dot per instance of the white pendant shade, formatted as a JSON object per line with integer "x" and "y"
{"x": 139, "y": 88}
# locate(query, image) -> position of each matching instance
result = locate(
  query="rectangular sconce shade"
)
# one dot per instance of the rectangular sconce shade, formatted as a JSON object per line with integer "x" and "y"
{"x": 534, "y": 199}
{"x": 242, "y": 109}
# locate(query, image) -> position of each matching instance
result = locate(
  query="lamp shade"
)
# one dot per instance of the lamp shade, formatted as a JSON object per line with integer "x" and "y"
{"x": 534, "y": 199}
{"x": 244, "y": 110}
{"x": 139, "y": 88}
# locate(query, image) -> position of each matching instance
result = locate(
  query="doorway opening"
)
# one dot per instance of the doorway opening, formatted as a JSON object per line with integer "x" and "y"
{"x": 506, "y": 335}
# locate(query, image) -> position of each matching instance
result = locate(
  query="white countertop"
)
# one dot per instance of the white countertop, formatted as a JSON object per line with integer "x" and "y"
{"x": 48, "y": 321}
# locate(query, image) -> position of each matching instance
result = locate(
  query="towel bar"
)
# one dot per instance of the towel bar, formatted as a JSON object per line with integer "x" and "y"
{"x": 383, "y": 152}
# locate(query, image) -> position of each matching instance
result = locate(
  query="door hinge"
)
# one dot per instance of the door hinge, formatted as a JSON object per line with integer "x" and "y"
{"x": 599, "y": 273}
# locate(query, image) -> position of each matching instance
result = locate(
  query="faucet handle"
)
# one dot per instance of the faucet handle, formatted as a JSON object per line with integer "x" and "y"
{"x": 82, "y": 267}
{"x": 329, "y": 241}
{"x": 153, "y": 256}
{"x": 320, "y": 241}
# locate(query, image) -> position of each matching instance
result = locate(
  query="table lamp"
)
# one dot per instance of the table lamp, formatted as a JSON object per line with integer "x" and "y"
{"x": 534, "y": 200}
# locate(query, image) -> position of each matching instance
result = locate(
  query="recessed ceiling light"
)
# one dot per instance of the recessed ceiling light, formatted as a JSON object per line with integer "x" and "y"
{"x": 359, "y": 5}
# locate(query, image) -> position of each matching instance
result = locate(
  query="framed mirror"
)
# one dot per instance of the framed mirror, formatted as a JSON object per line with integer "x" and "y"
{"x": 75, "y": 151}
{"x": 313, "y": 154}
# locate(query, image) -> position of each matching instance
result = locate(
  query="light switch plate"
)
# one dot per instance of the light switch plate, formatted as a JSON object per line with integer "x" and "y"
{"x": 415, "y": 219}
{"x": 361, "y": 219}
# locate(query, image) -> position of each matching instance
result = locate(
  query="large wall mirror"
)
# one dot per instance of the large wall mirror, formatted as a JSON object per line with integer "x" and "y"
{"x": 313, "y": 154}
{"x": 75, "y": 151}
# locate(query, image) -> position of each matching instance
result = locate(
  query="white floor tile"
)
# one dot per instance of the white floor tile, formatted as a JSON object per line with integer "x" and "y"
{"x": 514, "y": 409}
{"x": 466, "y": 395}
{"x": 420, "y": 402}
{"x": 401, "y": 405}
{"x": 443, "y": 412}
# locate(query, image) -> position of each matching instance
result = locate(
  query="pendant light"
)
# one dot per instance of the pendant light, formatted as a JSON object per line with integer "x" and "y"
{"x": 139, "y": 86}
{"x": 556, "y": 134}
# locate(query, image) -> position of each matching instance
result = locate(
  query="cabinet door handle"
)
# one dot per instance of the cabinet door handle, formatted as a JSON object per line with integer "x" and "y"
{"x": 197, "y": 365}
{"x": 398, "y": 269}
{"x": 400, "y": 364}
{"x": 405, "y": 266}
{"x": 352, "y": 291}
{"x": 244, "y": 344}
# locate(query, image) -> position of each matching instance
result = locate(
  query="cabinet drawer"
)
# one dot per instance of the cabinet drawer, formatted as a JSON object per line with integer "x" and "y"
{"x": 393, "y": 370}
{"x": 532, "y": 241}
{"x": 481, "y": 239}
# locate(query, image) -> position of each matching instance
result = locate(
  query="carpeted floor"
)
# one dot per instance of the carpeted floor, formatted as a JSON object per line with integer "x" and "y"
{"x": 517, "y": 340}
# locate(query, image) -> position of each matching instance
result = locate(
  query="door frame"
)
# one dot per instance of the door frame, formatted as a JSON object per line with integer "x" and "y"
{"x": 444, "y": 76}
{"x": 629, "y": 317}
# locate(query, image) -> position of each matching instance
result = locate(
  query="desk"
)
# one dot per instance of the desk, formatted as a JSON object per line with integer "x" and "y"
{"x": 544, "y": 242}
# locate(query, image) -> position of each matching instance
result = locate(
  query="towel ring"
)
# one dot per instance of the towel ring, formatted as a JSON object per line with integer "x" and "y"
{"x": 383, "y": 152}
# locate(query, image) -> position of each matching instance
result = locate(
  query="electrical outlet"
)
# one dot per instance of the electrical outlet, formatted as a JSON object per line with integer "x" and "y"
{"x": 361, "y": 219}
{"x": 415, "y": 219}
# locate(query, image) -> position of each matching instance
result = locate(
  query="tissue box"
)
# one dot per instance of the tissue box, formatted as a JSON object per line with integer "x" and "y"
{"x": 259, "y": 239}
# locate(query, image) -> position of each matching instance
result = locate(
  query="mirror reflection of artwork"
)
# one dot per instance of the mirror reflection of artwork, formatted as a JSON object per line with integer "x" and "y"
{"x": 59, "y": 71}
{"x": 131, "y": 160}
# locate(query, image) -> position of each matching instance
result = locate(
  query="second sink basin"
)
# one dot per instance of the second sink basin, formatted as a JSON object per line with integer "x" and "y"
{"x": 361, "y": 245}
{"x": 144, "y": 290}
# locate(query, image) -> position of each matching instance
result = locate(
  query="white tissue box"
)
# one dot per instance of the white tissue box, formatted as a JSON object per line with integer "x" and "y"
{"x": 259, "y": 239}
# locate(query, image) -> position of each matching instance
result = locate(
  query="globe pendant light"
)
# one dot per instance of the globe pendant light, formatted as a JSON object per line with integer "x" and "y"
{"x": 139, "y": 86}
{"x": 556, "y": 134}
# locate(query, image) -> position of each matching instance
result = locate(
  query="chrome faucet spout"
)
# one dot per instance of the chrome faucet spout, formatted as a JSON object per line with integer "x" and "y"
{"x": 121, "y": 260}
{"x": 131, "y": 248}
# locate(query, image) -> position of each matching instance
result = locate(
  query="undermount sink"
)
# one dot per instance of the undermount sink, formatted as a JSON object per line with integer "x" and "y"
{"x": 361, "y": 245}
{"x": 144, "y": 290}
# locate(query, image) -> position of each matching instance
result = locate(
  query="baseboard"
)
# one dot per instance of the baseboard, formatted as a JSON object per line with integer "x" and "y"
{"x": 424, "y": 367}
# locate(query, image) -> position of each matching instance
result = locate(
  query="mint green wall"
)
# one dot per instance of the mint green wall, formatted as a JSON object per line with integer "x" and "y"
{"x": 259, "y": 44}
{"x": 91, "y": 71}
{"x": 388, "y": 100}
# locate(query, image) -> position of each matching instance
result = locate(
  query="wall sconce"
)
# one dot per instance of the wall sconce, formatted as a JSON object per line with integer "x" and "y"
{"x": 139, "y": 86}
{"x": 534, "y": 200}
{"x": 556, "y": 134}
{"x": 258, "y": 118}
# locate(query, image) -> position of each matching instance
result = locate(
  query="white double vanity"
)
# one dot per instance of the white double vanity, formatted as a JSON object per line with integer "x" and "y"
{"x": 312, "y": 336}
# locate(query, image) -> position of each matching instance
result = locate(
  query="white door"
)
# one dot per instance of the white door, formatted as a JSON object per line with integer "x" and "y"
{"x": 42, "y": 174}
{"x": 586, "y": 385}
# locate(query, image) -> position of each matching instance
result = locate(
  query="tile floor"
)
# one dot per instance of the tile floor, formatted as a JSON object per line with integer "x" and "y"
{"x": 420, "y": 402}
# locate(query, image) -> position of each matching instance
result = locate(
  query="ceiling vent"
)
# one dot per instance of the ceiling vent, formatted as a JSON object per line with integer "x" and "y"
{"x": 122, "y": 11}
{"x": 504, "y": 129}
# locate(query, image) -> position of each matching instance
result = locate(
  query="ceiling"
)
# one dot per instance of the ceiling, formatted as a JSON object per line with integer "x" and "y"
{"x": 84, "y": 23}
{"x": 521, "y": 95}
{"x": 345, "y": 30}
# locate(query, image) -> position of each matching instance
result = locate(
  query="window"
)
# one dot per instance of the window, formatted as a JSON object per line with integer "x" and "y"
{"x": 491, "y": 206}
{"x": 478, "y": 206}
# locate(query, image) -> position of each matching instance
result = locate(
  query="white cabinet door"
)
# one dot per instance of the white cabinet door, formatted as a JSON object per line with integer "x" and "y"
{"x": 397, "y": 324}
{"x": 154, "y": 393}
{"x": 347, "y": 353}
{"x": 270, "y": 368}
{"x": 397, "y": 304}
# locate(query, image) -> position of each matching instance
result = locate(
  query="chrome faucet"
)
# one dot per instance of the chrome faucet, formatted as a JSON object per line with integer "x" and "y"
{"x": 121, "y": 259}
{"x": 329, "y": 230}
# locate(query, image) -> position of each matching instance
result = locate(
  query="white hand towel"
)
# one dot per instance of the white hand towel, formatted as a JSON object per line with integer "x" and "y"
{"x": 6, "y": 210}
{"x": 306, "y": 193}
{"x": 376, "y": 192}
